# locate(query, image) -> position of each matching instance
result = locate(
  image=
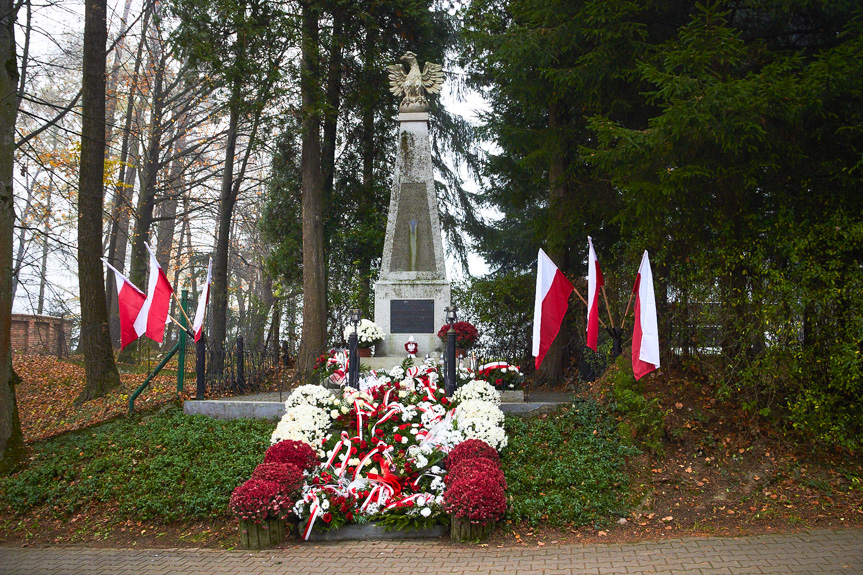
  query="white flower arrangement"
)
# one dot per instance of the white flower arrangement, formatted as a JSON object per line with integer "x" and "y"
{"x": 483, "y": 429}
{"x": 479, "y": 409}
{"x": 306, "y": 423}
{"x": 477, "y": 389}
{"x": 316, "y": 395}
{"x": 367, "y": 333}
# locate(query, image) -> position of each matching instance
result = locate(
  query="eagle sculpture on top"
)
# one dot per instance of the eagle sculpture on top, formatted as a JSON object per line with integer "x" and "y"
{"x": 413, "y": 85}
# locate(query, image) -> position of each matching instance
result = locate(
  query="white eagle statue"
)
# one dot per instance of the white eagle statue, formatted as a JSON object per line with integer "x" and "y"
{"x": 413, "y": 85}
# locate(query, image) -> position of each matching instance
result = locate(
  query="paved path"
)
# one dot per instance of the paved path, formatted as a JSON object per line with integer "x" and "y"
{"x": 813, "y": 552}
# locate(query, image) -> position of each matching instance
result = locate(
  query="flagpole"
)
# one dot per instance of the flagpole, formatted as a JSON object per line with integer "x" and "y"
{"x": 607, "y": 309}
{"x": 584, "y": 301}
{"x": 180, "y": 305}
{"x": 627, "y": 311}
{"x": 182, "y": 327}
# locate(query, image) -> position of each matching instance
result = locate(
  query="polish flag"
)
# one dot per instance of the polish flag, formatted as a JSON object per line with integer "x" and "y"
{"x": 198, "y": 326}
{"x": 154, "y": 313}
{"x": 552, "y": 299}
{"x": 130, "y": 300}
{"x": 595, "y": 282}
{"x": 645, "y": 336}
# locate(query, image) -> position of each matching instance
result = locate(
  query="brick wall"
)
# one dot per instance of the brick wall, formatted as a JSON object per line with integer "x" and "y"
{"x": 39, "y": 334}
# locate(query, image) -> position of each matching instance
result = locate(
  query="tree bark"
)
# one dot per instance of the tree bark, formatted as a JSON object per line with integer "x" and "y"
{"x": 227, "y": 199}
{"x": 120, "y": 212}
{"x": 11, "y": 440}
{"x": 557, "y": 359}
{"x": 314, "y": 287}
{"x": 99, "y": 367}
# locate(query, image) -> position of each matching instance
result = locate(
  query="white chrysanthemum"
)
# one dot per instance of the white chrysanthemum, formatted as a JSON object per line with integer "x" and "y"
{"x": 316, "y": 395}
{"x": 367, "y": 332}
{"x": 477, "y": 390}
{"x": 476, "y": 409}
{"x": 482, "y": 429}
{"x": 303, "y": 423}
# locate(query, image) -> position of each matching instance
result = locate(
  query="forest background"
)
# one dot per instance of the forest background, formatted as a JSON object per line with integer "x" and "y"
{"x": 723, "y": 137}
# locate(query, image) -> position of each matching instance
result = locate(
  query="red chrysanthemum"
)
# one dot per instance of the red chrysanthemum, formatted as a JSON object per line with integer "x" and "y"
{"x": 287, "y": 475}
{"x": 477, "y": 497}
{"x": 256, "y": 500}
{"x": 475, "y": 466}
{"x": 298, "y": 453}
{"x": 470, "y": 449}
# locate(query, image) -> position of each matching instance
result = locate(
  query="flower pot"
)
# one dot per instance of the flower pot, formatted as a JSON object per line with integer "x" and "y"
{"x": 263, "y": 535}
{"x": 364, "y": 351}
{"x": 462, "y": 530}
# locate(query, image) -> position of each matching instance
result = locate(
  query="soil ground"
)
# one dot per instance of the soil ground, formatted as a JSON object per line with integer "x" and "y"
{"x": 720, "y": 471}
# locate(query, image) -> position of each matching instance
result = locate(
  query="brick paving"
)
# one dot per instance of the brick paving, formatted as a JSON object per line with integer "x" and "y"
{"x": 814, "y": 552}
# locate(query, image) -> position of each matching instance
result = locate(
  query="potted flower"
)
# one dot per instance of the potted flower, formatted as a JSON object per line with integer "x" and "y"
{"x": 475, "y": 493}
{"x": 465, "y": 336}
{"x": 368, "y": 334}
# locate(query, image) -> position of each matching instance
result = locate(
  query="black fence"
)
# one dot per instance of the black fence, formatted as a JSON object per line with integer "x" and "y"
{"x": 234, "y": 370}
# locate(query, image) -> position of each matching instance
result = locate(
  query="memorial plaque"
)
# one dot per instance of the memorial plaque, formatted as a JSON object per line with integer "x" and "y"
{"x": 412, "y": 316}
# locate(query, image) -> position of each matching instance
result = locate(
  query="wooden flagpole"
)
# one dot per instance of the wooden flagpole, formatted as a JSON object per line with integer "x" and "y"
{"x": 623, "y": 323}
{"x": 180, "y": 305}
{"x": 607, "y": 309}
{"x": 584, "y": 301}
{"x": 181, "y": 326}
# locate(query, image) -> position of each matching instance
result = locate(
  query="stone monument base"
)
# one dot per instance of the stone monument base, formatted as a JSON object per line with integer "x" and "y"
{"x": 419, "y": 305}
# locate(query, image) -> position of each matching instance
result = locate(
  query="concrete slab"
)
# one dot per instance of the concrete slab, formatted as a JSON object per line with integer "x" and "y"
{"x": 375, "y": 532}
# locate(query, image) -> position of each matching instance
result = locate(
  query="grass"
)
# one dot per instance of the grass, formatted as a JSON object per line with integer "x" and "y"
{"x": 567, "y": 469}
{"x": 166, "y": 466}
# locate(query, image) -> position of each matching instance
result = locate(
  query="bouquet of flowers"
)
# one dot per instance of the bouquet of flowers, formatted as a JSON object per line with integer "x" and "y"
{"x": 465, "y": 334}
{"x": 380, "y": 451}
{"x": 501, "y": 375}
{"x": 368, "y": 333}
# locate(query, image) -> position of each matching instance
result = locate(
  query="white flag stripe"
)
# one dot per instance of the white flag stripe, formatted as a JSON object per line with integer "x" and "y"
{"x": 649, "y": 350}
{"x": 544, "y": 278}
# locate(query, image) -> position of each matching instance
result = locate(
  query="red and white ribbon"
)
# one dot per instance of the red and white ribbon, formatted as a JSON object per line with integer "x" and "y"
{"x": 345, "y": 441}
{"x": 314, "y": 512}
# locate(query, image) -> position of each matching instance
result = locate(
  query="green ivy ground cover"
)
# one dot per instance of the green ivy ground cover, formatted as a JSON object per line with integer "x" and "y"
{"x": 166, "y": 466}
{"x": 567, "y": 469}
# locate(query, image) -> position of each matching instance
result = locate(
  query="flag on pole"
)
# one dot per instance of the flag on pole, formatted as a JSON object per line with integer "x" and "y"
{"x": 154, "y": 313}
{"x": 552, "y": 299}
{"x": 130, "y": 300}
{"x": 198, "y": 326}
{"x": 595, "y": 282}
{"x": 645, "y": 336}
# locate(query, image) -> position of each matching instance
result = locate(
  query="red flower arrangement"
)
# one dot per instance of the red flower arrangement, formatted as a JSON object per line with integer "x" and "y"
{"x": 287, "y": 475}
{"x": 294, "y": 452}
{"x": 471, "y": 449}
{"x": 476, "y": 466}
{"x": 256, "y": 500}
{"x": 465, "y": 334}
{"x": 475, "y": 497}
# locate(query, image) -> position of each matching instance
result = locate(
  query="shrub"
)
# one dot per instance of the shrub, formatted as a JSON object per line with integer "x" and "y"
{"x": 296, "y": 453}
{"x": 470, "y": 449}
{"x": 287, "y": 475}
{"x": 477, "y": 497}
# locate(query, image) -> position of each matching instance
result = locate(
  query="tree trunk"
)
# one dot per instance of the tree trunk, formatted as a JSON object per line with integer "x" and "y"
{"x": 99, "y": 367}
{"x": 11, "y": 440}
{"x": 314, "y": 287}
{"x": 147, "y": 195}
{"x": 227, "y": 199}
{"x": 557, "y": 359}
{"x": 120, "y": 212}
{"x": 43, "y": 268}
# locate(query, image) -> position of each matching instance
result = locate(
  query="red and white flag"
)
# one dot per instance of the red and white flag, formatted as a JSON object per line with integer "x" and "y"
{"x": 645, "y": 336}
{"x": 154, "y": 313}
{"x": 130, "y": 300}
{"x": 198, "y": 326}
{"x": 552, "y": 300}
{"x": 595, "y": 282}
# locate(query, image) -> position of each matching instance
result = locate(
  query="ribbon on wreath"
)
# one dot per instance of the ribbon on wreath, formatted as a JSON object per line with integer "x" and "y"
{"x": 396, "y": 408}
{"x": 360, "y": 413}
{"x": 346, "y": 442}
{"x": 314, "y": 511}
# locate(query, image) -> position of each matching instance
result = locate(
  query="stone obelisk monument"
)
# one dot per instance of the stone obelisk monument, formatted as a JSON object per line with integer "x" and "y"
{"x": 412, "y": 291}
